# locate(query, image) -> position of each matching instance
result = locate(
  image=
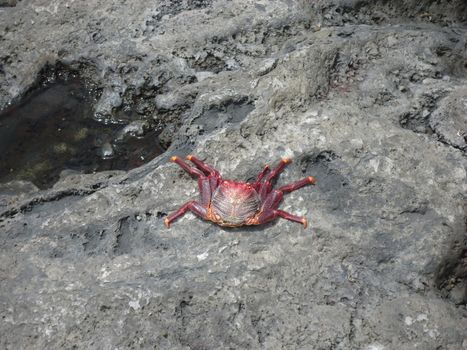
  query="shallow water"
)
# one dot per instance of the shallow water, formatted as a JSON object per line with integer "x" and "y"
{"x": 53, "y": 129}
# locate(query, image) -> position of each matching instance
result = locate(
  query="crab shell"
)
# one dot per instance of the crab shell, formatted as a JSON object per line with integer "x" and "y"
{"x": 234, "y": 204}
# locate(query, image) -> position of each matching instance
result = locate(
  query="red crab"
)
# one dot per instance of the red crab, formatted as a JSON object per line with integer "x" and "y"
{"x": 231, "y": 203}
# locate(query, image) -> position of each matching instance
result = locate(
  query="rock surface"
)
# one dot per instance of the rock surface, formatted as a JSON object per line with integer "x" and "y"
{"x": 369, "y": 97}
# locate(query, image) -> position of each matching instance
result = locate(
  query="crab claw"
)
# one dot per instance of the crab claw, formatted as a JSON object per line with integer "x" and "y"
{"x": 311, "y": 180}
{"x": 167, "y": 222}
{"x": 304, "y": 222}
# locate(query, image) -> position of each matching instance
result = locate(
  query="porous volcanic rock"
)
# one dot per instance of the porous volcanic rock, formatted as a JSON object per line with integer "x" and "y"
{"x": 369, "y": 97}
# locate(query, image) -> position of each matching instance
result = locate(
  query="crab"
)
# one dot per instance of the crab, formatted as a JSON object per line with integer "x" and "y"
{"x": 231, "y": 203}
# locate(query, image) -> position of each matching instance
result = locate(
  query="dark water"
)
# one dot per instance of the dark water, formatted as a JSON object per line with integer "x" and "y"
{"x": 53, "y": 129}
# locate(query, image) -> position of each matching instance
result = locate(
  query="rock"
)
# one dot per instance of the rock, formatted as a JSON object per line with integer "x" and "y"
{"x": 266, "y": 66}
{"x": 107, "y": 103}
{"x": 136, "y": 128}
{"x": 106, "y": 151}
{"x": 200, "y": 76}
{"x": 90, "y": 264}
{"x": 449, "y": 120}
{"x": 7, "y": 3}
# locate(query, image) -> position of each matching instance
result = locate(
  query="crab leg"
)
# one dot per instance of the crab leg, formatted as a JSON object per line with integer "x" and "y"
{"x": 257, "y": 183}
{"x": 268, "y": 208}
{"x": 297, "y": 184}
{"x": 269, "y": 212}
{"x": 269, "y": 215}
{"x": 213, "y": 174}
{"x": 203, "y": 166}
{"x": 205, "y": 191}
{"x": 262, "y": 173}
{"x": 278, "y": 169}
{"x": 193, "y": 206}
{"x": 272, "y": 200}
{"x": 265, "y": 187}
{"x": 190, "y": 170}
{"x": 294, "y": 218}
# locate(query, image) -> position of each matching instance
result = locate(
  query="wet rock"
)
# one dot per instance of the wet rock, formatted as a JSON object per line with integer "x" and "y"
{"x": 109, "y": 101}
{"x": 106, "y": 151}
{"x": 353, "y": 92}
{"x": 5, "y": 3}
{"x": 136, "y": 128}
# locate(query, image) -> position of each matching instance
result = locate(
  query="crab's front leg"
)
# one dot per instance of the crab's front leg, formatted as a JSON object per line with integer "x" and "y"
{"x": 193, "y": 206}
{"x": 209, "y": 170}
{"x": 189, "y": 169}
{"x": 198, "y": 208}
{"x": 212, "y": 173}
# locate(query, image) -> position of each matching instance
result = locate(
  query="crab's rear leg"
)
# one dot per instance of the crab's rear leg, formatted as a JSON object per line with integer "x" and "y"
{"x": 291, "y": 217}
{"x": 193, "y": 206}
{"x": 269, "y": 211}
{"x": 278, "y": 169}
{"x": 257, "y": 183}
{"x": 297, "y": 184}
{"x": 262, "y": 173}
{"x": 265, "y": 188}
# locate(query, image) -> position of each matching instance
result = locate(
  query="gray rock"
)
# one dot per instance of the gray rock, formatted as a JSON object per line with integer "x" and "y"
{"x": 89, "y": 264}
{"x": 449, "y": 120}
{"x": 266, "y": 66}
{"x": 200, "y": 76}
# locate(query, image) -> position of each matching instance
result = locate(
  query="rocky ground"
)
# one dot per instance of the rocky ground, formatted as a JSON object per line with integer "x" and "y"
{"x": 369, "y": 97}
